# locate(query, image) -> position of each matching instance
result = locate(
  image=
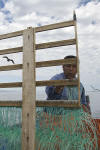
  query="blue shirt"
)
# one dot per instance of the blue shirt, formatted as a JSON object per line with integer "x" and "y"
{"x": 65, "y": 94}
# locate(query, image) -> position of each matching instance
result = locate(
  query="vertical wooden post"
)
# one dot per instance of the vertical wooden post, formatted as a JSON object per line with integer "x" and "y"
{"x": 29, "y": 90}
{"x": 78, "y": 73}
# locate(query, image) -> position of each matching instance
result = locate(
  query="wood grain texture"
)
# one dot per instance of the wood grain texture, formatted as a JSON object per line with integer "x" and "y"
{"x": 40, "y": 64}
{"x": 11, "y": 85}
{"x": 55, "y": 44}
{"x": 11, "y": 67}
{"x": 10, "y": 35}
{"x": 55, "y": 62}
{"x": 56, "y": 82}
{"x": 29, "y": 90}
{"x": 39, "y": 29}
{"x": 55, "y": 26}
{"x": 11, "y": 50}
{"x": 41, "y": 83}
{"x": 77, "y": 54}
{"x": 43, "y": 103}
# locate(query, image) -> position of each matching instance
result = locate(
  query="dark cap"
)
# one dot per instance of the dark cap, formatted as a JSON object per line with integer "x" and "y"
{"x": 69, "y": 56}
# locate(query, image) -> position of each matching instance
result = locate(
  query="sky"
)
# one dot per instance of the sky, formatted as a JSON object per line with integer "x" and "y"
{"x": 17, "y": 15}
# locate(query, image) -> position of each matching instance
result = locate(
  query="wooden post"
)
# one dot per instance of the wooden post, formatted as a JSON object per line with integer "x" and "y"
{"x": 29, "y": 90}
{"x": 78, "y": 73}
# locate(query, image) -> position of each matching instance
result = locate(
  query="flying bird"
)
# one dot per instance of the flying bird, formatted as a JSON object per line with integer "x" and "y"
{"x": 9, "y": 59}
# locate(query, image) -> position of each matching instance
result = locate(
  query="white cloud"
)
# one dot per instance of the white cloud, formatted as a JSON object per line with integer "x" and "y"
{"x": 2, "y": 16}
{"x": 23, "y": 14}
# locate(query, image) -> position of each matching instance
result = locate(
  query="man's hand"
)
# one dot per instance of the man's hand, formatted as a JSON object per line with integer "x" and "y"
{"x": 59, "y": 89}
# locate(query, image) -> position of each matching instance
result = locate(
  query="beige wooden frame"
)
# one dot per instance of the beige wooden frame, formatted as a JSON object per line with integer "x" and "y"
{"x": 29, "y": 83}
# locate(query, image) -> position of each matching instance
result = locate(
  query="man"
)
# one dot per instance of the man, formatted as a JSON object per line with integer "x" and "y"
{"x": 66, "y": 92}
{"x": 88, "y": 104}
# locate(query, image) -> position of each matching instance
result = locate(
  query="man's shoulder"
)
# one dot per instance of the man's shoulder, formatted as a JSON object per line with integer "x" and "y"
{"x": 81, "y": 86}
{"x": 58, "y": 76}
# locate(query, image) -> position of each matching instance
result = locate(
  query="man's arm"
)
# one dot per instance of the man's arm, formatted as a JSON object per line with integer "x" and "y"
{"x": 83, "y": 97}
{"x": 54, "y": 92}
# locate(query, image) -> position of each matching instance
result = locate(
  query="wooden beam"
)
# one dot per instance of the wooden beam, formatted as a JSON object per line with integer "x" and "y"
{"x": 10, "y": 103}
{"x": 39, "y": 29}
{"x": 41, "y": 83}
{"x": 11, "y": 50}
{"x": 11, "y": 85}
{"x": 77, "y": 54}
{"x": 55, "y": 62}
{"x": 11, "y": 67}
{"x": 39, "y": 46}
{"x": 57, "y": 103}
{"x": 55, "y": 44}
{"x": 40, "y": 64}
{"x": 29, "y": 90}
{"x": 55, "y": 26}
{"x": 56, "y": 82}
{"x": 10, "y": 35}
{"x": 43, "y": 103}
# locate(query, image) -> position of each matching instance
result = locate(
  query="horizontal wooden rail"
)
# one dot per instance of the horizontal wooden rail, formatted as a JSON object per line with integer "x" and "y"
{"x": 55, "y": 44}
{"x": 10, "y": 35}
{"x": 39, "y": 29}
{"x": 40, "y": 46}
{"x": 11, "y": 50}
{"x": 55, "y": 62}
{"x": 11, "y": 103}
{"x": 43, "y": 103}
{"x": 57, "y": 103}
{"x": 11, "y": 67}
{"x": 56, "y": 82}
{"x": 11, "y": 85}
{"x": 40, "y": 64}
{"x": 41, "y": 83}
{"x": 55, "y": 26}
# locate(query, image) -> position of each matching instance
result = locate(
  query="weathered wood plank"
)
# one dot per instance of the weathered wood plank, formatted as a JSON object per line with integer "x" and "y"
{"x": 43, "y": 103}
{"x": 11, "y": 85}
{"x": 29, "y": 90}
{"x": 41, "y": 83}
{"x": 10, "y": 35}
{"x": 40, "y": 64}
{"x": 55, "y": 26}
{"x": 40, "y": 46}
{"x": 11, "y": 67}
{"x": 56, "y": 82}
{"x": 57, "y": 103}
{"x": 55, "y": 44}
{"x": 55, "y": 62}
{"x": 11, "y": 50}
{"x": 10, "y": 103}
{"x": 39, "y": 29}
{"x": 77, "y": 54}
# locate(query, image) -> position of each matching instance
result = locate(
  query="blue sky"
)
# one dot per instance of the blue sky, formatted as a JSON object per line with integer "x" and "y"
{"x": 19, "y": 14}
{"x": 1, "y": 4}
{"x": 83, "y": 3}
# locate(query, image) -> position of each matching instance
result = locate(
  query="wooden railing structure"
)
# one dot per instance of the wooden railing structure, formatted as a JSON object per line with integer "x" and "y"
{"x": 29, "y": 82}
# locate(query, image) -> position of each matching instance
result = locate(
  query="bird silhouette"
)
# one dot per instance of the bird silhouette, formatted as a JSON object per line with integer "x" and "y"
{"x": 9, "y": 59}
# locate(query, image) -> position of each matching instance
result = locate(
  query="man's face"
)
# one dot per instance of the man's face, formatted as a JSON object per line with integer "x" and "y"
{"x": 70, "y": 70}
